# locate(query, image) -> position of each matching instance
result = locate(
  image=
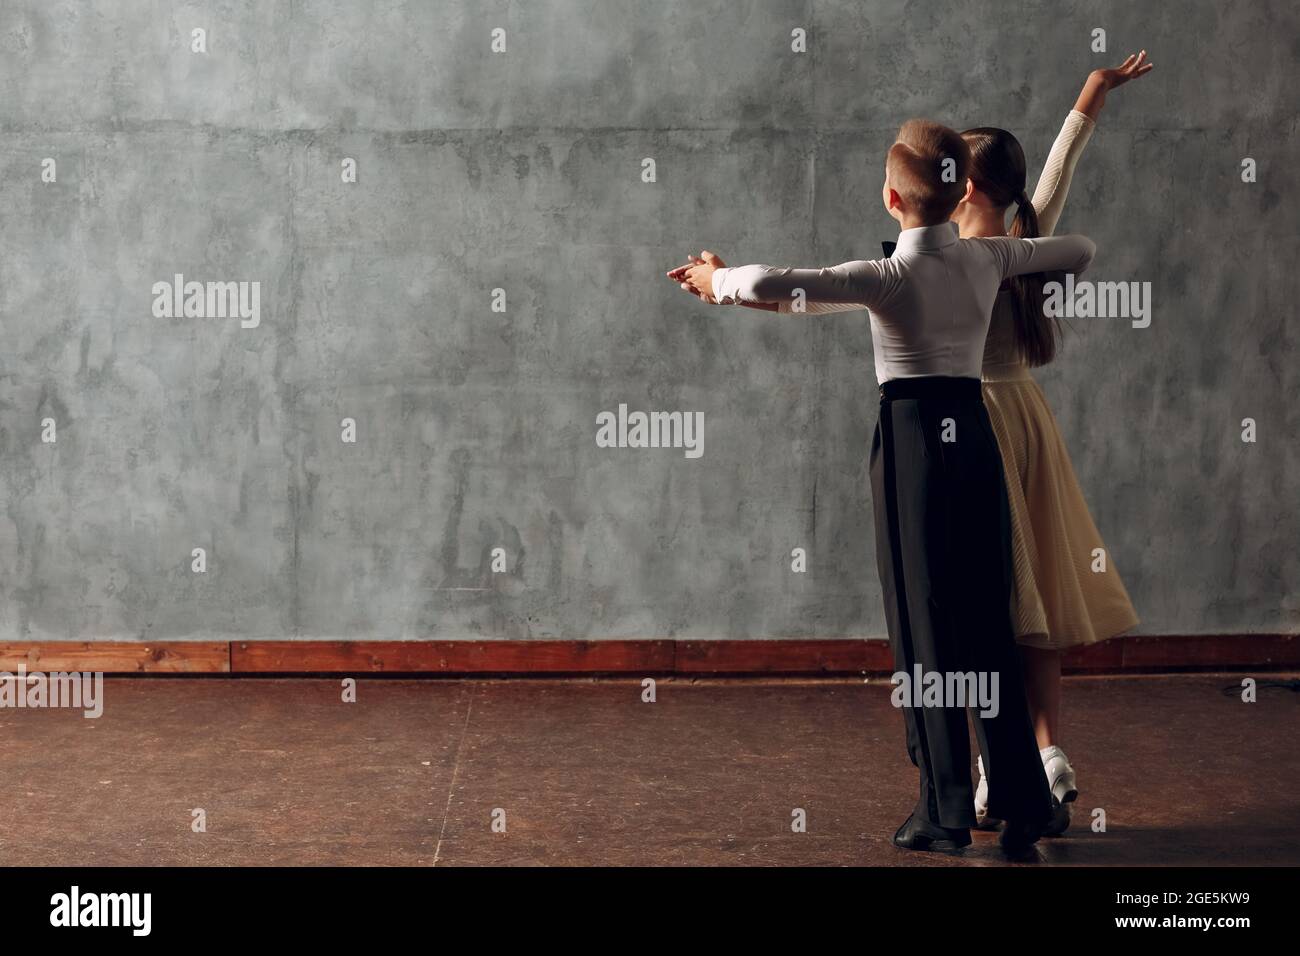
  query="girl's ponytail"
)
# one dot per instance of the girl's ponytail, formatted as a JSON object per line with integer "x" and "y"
{"x": 1036, "y": 333}
{"x": 998, "y": 171}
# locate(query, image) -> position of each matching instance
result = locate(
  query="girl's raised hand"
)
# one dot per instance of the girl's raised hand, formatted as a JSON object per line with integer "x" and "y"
{"x": 1130, "y": 69}
{"x": 1093, "y": 95}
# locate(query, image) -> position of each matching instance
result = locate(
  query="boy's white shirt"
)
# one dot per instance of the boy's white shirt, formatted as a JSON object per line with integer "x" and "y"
{"x": 930, "y": 302}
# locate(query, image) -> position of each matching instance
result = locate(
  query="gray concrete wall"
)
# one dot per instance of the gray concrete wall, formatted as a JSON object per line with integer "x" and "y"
{"x": 522, "y": 171}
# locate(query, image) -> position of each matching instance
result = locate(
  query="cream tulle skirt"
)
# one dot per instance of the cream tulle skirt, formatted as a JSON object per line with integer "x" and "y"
{"x": 1058, "y": 599}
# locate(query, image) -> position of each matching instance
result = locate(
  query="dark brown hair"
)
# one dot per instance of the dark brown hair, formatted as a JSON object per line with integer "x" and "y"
{"x": 915, "y": 169}
{"x": 997, "y": 169}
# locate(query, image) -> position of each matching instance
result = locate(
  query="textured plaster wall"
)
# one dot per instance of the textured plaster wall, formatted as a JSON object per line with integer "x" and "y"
{"x": 523, "y": 171}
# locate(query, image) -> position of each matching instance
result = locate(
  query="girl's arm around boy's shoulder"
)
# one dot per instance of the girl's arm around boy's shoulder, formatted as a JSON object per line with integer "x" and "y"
{"x": 1015, "y": 257}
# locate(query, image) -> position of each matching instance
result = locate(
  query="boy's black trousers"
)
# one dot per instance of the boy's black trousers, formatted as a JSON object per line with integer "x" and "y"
{"x": 943, "y": 549}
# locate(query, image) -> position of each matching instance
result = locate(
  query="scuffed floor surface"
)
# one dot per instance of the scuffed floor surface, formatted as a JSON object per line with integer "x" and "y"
{"x": 584, "y": 772}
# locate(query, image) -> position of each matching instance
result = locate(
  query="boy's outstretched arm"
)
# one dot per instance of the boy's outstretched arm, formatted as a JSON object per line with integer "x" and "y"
{"x": 808, "y": 308}
{"x": 678, "y": 275}
{"x": 857, "y": 283}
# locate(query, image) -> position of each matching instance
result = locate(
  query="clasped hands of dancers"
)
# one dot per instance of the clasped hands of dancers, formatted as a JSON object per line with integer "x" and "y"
{"x": 984, "y": 543}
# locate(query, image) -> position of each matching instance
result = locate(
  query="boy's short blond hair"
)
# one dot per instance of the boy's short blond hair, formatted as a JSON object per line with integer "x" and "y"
{"x": 915, "y": 169}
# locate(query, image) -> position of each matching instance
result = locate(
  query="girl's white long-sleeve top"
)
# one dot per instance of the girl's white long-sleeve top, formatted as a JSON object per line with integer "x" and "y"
{"x": 930, "y": 302}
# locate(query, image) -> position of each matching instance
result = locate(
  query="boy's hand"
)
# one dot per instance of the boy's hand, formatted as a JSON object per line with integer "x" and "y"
{"x": 696, "y": 277}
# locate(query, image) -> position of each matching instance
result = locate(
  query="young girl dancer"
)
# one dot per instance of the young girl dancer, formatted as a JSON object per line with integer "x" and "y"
{"x": 941, "y": 515}
{"x": 1059, "y": 600}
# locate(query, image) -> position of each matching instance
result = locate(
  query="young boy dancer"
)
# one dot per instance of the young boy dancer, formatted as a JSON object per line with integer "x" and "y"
{"x": 942, "y": 533}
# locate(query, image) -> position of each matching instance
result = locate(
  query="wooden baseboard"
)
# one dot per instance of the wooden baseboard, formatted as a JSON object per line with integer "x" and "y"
{"x": 452, "y": 657}
{"x": 1145, "y": 654}
{"x": 784, "y": 657}
{"x": 118, "y": 657}
{"x": 1190, "y": 652}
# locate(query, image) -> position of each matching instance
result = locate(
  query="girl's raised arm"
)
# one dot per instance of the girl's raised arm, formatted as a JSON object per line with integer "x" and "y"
{"x": 1054, "y": 184}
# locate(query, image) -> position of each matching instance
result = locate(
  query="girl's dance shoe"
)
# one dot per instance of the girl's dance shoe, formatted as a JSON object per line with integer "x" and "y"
{"x": 1061, "y": 780}
{"x": 1060, "y": 777}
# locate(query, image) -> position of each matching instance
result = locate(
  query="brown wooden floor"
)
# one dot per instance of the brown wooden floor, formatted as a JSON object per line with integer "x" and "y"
{"x": 587, "y": 774}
